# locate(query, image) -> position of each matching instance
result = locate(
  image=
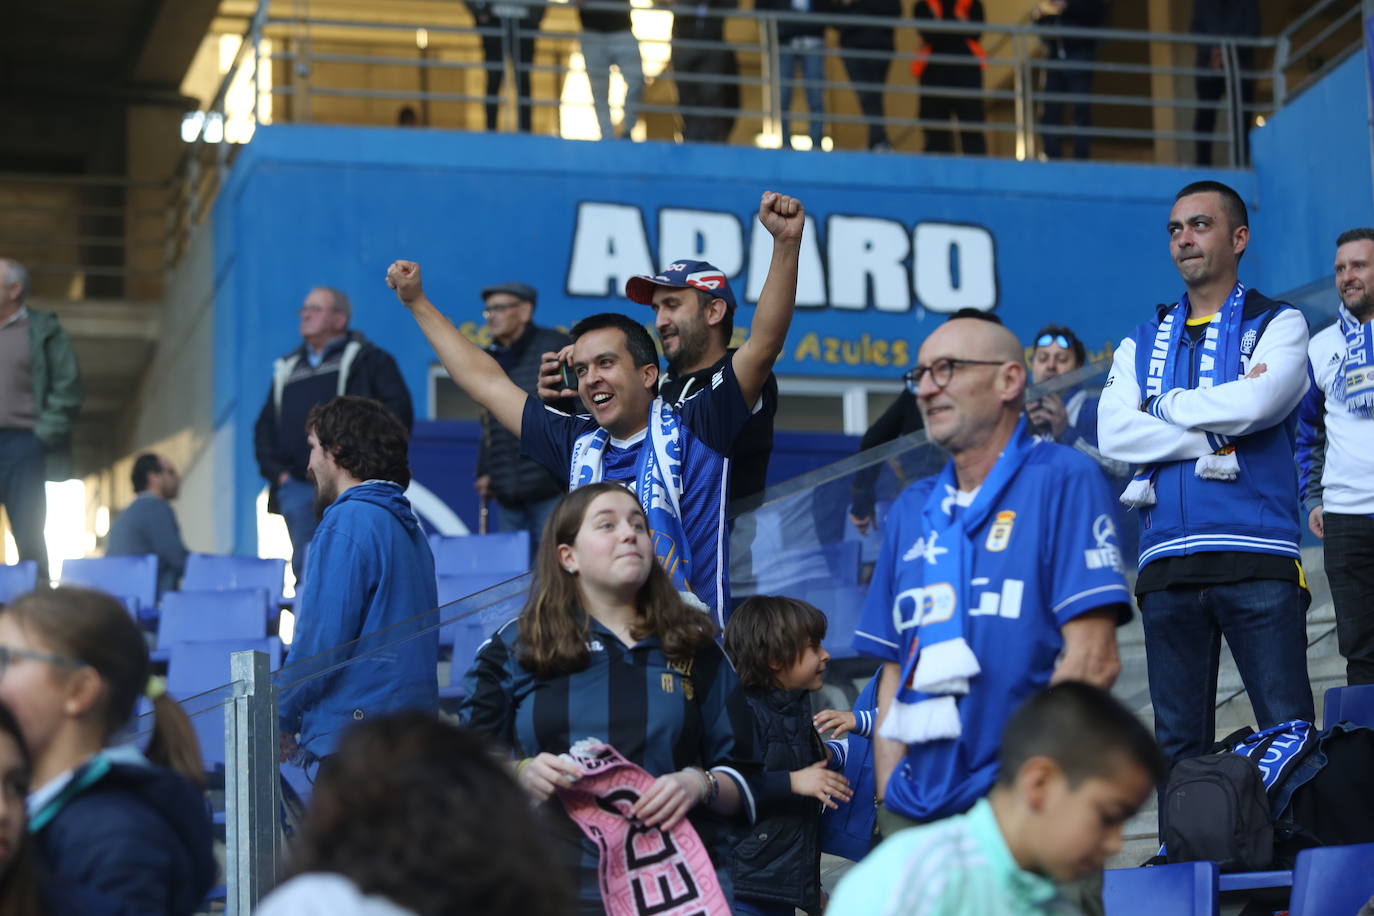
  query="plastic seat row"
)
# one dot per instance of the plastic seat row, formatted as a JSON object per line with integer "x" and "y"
{"x": 1327, "y": 881}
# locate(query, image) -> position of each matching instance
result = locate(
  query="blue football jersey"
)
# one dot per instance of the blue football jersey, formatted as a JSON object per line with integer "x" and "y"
{"x": 1047, "y": 553}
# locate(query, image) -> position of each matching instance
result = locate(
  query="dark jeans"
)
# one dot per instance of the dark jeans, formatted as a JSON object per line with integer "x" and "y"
{"x": 700, "y": 127}
{"x": 1210, "y": 89}
{"x": 1067, "y": 82}
{"x": 23, "y": 482}
{"x": 525, "y": 517}
{"x": 1349, "y": 552}
{"x": 969, "y": 111}
{"x": 811, "y": 60}
{"x": 1264, "y": 622}
{"x": 296, "y": 500}
{"x": 514, "y": 42}
{"x": 869, "y": 76}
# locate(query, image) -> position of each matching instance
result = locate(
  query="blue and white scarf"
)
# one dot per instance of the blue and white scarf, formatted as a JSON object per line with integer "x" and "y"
{"x": 657, "y": 485}
{"x": 1354, "y": 382}
{"x": 940, "y": 663}
{"x": 1220, "y": 363}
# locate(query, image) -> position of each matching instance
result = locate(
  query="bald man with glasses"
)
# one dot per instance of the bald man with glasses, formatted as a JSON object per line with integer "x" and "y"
{"x": 996, "y": 577}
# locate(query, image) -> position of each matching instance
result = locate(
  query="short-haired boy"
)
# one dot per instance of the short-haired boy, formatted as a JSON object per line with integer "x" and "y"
{"x": 1074, "y": 766}
{"x": 775, "y": 645}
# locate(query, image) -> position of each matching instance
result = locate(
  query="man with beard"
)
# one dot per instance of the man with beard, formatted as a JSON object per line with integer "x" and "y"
{"x": 1336, "y": 448}
{"x": 1203, "y": 399}
{"x": 675, "y": 458}
{"x": 369, "y": 569}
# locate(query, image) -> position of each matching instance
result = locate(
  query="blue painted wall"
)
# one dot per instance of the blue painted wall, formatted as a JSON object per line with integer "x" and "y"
{"x": 1079, "y": 244}
{"x": 1312, "y": 162}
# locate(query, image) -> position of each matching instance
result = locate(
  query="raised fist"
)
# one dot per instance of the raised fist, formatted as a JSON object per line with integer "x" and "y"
{"x": 404, "y": 277}
{"x": 784, "y": 217}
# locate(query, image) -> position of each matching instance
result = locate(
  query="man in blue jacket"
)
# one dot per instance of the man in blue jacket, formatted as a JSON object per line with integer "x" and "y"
{"x": 369, "y": 570}
{"x": 1203, "y": 400}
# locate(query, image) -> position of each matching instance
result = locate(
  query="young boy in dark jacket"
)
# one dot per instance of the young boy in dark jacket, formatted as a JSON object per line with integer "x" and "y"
{"x": 775, "y": 644}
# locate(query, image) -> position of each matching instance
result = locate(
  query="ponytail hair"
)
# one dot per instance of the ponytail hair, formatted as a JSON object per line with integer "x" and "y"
{"x": 93, "y": 628}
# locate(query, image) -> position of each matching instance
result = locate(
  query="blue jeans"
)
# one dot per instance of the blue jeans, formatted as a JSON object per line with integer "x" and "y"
{"x": 525, "y": 517}
{"x": 808, "y": 53}
{"x": 1264, "y": 622}
{"x": 23, "y": 493}
{"x": 296, "y": 500}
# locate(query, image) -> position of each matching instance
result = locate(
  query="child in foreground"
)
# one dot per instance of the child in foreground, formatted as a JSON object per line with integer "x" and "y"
{"x": 1075, "y": 766}
{"x": 775, "y": 645}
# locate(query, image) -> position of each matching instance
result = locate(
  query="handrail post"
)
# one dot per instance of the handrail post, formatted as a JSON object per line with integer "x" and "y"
{"x": 252, "y": 784}
{"x": 774, "y": 118}
{"x": 1235, "y": 107}
{"x": 1019, "y": 114}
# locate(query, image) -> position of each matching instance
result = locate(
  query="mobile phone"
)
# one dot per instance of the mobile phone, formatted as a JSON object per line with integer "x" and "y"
{"x": 569, "y": 376}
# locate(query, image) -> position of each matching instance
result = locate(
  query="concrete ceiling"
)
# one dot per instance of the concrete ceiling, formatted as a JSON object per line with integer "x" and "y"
{"x": 102, "y": 47}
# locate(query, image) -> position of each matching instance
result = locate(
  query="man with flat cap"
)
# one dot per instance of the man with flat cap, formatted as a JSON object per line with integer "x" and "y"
{"x": 524, "y": 491}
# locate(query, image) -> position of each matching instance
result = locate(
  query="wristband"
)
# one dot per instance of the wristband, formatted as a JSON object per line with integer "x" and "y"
{"x": 712, "y": 787}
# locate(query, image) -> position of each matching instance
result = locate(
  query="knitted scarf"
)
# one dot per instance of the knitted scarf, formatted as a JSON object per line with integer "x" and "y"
{"x": 1354, "y": 384}
{"x": 644, "y": 871}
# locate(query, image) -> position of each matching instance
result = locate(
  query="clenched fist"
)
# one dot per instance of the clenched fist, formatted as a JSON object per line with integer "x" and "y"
{"x": 404, "y": 277}
{"x": 784, "y": 217}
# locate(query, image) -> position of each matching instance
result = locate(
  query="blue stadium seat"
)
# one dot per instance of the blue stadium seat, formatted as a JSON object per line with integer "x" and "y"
{"x": 201, "y": 616}
{"x": 197, "y": 667}
{"x": 212, "y": 572}
{"x": 483, "y": 554}
{"x": 17, "y": 579}
{"x": 1349, "y": 704}
{"x": 842, "y": 606}
{"x": 1185, "y": 889}
{"x": 1332, "y": 880}
{"x": 131, "y": 578}
{"x": 452, "y": 588}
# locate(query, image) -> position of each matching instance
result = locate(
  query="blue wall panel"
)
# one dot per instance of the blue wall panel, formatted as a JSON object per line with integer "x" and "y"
{"x": 897, "y": 241}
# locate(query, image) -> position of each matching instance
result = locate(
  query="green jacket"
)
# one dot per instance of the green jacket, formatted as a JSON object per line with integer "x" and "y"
{"x": 57, "y": 393}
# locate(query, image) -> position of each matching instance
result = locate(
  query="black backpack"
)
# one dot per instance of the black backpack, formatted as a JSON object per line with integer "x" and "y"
{"x": 1216, "y": 808}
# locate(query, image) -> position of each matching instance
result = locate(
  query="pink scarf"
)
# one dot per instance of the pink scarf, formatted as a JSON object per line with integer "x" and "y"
{"x": 642, "y": 870}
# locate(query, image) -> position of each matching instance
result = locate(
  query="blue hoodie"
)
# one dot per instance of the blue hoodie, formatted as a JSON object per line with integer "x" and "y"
{"x": 369, "y": 570}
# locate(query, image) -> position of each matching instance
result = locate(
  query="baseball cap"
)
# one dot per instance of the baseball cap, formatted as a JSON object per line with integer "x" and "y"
{"x": 680, "y": 275}
{"x": 518, "y": 290}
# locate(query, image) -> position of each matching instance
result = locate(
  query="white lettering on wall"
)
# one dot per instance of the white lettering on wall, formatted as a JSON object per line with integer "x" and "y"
{"x": 868, "y": 254}
{"x": 810, "y": 269}
{"x": 954, "y": 267}
{"x": 609, "y": 246}
{"x": 701, "y": 235}
{"x": 868, "y": 262}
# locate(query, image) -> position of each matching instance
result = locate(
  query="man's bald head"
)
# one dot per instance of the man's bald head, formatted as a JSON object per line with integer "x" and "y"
{"x": 971, "y": 338}
{"x": 974, "y": 391}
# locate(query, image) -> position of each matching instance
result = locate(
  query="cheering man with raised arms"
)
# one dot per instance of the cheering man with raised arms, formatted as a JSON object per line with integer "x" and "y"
{"x": 676, "y": 458}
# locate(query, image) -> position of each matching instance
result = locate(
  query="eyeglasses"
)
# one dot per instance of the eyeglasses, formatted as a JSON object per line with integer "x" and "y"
{"x": 942, "y": 371}
{"x": 8, "y": 654}
{"x": 1044, "y": 340}
{"x": 498, "y": 308}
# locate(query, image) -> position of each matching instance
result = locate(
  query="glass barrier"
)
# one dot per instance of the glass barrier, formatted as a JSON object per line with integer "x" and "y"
{"x": 796, "y": 539}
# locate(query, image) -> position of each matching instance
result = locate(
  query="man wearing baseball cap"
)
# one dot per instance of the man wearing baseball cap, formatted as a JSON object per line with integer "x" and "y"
{"x": 694, "y": 315}
{"x": 676, "y": 459}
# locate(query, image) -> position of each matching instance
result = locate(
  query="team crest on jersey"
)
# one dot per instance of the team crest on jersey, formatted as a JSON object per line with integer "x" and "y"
{"x": 999, "y": 535}
{"x": 665, "y": 681}
{"x": 1248, "y": 341}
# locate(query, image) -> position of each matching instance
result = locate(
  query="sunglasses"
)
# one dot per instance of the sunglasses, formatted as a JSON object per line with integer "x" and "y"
{"x": 1044, "y": 340}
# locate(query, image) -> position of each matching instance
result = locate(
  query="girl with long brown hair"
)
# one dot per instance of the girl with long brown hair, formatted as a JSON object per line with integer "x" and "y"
{"x": 606, "y": 649}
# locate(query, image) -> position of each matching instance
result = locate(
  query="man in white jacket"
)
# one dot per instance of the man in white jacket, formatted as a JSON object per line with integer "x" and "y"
{"x": 1202, "y": 399}
{"x": 1336, "y": 452}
